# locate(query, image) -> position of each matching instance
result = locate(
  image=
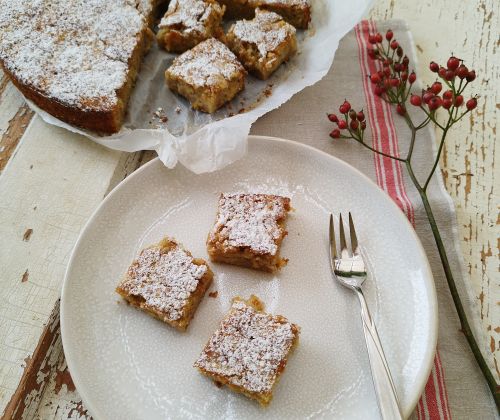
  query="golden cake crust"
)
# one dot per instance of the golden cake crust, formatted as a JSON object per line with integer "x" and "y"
{"x": 77, "y": 61}
{"x": 250, "y": 349}
{"x": 166, "y": 282}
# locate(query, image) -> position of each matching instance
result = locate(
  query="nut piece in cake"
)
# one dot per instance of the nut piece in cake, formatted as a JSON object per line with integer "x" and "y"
{"x": 209, "y": 75}
{"x": 250, "y": 350}
{"x": 166, "y": 282}
{"x": 189, "y": 22}
{"x": 248, "y": 231}
{"x": 295, "y": 12}
{"x": 263, "y": 43}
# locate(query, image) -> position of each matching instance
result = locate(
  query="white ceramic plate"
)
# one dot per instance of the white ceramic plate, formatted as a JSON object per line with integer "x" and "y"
{"x": 127, "y": 365}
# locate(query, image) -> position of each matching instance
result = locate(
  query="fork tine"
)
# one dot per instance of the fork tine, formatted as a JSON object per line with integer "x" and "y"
{"x": 333, "y": 245}
{"x": 354, "y": 239}
{"x": 343, "y": 244}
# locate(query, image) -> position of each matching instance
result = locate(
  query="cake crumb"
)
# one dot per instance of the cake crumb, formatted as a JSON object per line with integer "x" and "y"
{"x": 268, "y": 91}
{"x": 213, "y": 294}
{"x": 159, "y": 119}
{"x": 25, "y": 276}
{"x": 27, "y": 235}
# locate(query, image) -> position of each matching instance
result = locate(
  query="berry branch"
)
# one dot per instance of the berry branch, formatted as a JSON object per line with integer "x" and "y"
{"x": 394, "y": 84}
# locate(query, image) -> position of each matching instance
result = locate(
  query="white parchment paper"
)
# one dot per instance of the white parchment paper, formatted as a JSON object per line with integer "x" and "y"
{"x": 204, "y": 142}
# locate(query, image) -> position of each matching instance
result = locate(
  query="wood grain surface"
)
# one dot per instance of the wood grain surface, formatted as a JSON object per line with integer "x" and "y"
{"x": 52, "y": 180}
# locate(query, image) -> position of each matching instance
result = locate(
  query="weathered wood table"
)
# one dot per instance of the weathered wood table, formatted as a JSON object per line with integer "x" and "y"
{"x": 52, "y": 180}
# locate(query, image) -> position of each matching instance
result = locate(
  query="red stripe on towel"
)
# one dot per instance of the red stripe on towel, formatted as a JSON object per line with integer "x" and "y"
{"x": 433, "y": 404}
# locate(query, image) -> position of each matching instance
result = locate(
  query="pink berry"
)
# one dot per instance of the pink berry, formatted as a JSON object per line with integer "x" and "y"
{"x": 471, "y": 76}
{"x": 335, "y": 134}
{"x": 345, "y": 107}
{"x": 453, "y": 63}
{"x": 412, "y": 77}
{"x": 459, "y": 100}
{"x": 389, "y": 34}
{"x": 378, "y": 37}
{"x": 442, "y": 72}
{"x": 342, "y": 124}
{"x": 447, "y": 103}
{"x": 352, "y": 114}
{"x": 379, "y": 90}
{"x": 394, "y": 44}
{"x": 394, "y": 82}
{"x": 375, "y": 78}
{"x": 333, "y": 118}
{"x": 361, "y": 116}
{"x": 363, "y": 125}
{"x": 462, "y": 72}
{"x": 471, "y": 104}
{"x": 400, "y": 109}
{"x": 448, "y": 94}
{"x": 435, "y": 102}
{"x": 372, "y": 53}
{"x": 449, "y": 75}
{"x": 436, "y": 87}
{"x": 416, "y": 100}
{"x": 354, "y": 125}
{"x": 427, "y": 97}
{"x": 434, "y": 66}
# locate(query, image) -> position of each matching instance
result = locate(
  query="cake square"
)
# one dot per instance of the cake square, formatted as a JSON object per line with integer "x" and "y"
{"x": 249, "y": 230}
{"x": 249, "y": 351}
{"x": 189, "y": 22}
{"x": 166, "y": 282}
{"x": 295, "y": 12}
{"x": 263, "y": 43}
{"x": 209, "y": 75}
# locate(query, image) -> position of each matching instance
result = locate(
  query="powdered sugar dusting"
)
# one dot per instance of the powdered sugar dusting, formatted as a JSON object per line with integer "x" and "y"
{"x": 210, "y": 63}
{"x": 267, "y": 31}
{"x": 250, "y": 220}
{"x": 249, "y": 349}
{"x": 73, "y": 51}
{"x": 191, "y": 15}
{"x": 164, "y": 280}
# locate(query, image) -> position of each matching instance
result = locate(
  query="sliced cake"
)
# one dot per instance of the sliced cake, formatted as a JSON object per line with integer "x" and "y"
{"x": 208, "y": 76}
{"x": 166, "y": 282}
{"x": 263, "y": 43}
{"x": 249, "y": 230}
{"x": 249, "y": 351}
{"x": 188, "y": 22}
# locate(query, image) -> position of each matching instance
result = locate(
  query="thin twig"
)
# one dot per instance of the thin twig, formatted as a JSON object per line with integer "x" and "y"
{"x": 379, "y": 152}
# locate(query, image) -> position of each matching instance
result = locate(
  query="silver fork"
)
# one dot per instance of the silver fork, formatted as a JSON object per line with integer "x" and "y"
{"x": 350, "y": 270}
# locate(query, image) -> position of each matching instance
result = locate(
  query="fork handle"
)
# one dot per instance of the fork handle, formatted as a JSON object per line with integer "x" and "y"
{"x": 385, "y": 390}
